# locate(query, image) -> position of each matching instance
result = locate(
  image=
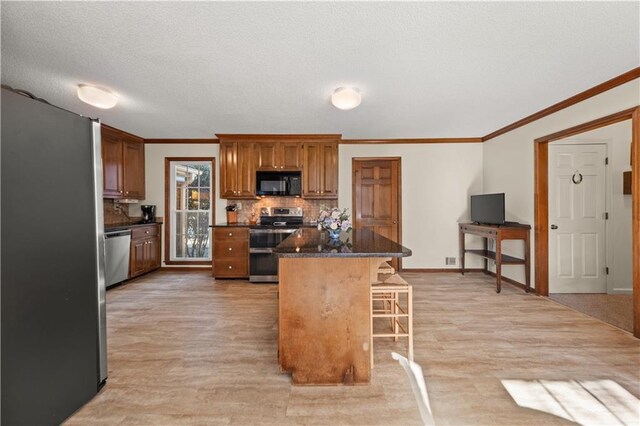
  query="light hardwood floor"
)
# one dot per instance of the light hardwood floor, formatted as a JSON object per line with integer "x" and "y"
{"x": 184, "y": 349}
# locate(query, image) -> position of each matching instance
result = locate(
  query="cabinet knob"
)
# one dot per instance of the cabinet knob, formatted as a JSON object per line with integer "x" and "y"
{"x": 322, "y": 192}
{"x": 230, "y": 267}
{"x": 230, "y": 234}
{"x": 126, "y": 192}
{"x": 275, "y": 167}
{"x": 282, "y": 167}
{"x": 120, "y": 191}
{"x": 146, "y": 232}
{"x": 230, "y": 249}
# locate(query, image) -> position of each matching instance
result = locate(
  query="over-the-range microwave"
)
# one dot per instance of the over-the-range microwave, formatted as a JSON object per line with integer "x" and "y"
{"x": 284, "y": 184}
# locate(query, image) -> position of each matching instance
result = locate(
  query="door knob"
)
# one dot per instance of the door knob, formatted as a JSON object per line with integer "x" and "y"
{"x": 554, "y": 226}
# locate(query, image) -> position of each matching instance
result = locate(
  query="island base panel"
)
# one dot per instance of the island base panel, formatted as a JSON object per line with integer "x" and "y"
{"x": 324, "y": 324}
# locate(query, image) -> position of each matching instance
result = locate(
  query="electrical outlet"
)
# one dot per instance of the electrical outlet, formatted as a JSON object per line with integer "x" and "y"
{"x": 239, "y": 206}
{"x": 449, "y": 260}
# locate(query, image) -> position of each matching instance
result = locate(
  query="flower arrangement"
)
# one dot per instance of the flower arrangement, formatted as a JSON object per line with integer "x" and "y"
{"x": 334, "y": 220}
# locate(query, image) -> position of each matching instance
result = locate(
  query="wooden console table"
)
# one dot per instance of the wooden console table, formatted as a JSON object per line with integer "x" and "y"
{"x": 499, "y": 233}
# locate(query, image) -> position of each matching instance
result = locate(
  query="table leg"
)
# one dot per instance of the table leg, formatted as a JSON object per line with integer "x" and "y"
{"x": 527, "y": 263}
{"x": 485, "y": 242}
{"x": 461, "y": 236}
{"x": 498, "y": 265}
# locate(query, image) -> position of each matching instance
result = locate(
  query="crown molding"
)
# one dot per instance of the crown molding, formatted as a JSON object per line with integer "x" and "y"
{"x": 589, "y": 93}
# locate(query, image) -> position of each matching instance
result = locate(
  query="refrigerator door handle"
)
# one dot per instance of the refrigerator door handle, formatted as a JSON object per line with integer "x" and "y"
{"x": 100, "y": 251}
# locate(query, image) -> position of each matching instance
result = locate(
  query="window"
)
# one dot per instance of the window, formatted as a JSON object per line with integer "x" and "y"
{"x": 190, "y": 209}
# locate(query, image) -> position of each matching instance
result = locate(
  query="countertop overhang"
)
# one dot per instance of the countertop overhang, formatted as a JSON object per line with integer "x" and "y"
{"x": 310, "y": 242}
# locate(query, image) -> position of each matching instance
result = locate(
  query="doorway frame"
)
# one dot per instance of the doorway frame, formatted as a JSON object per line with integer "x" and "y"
{"x": 541, "y": 201}
{"x": 355, "y": 160}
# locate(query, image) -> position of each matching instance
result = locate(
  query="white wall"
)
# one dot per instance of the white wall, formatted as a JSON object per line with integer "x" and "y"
{"x": 508, "y": 159}
{"x": 437, "y": 180}
{"x": 154, "y": 176}
{"x": 617, "y": 137}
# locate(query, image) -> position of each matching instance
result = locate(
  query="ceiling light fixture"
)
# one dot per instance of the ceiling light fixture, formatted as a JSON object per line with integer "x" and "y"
{"x": 346, "y": 98}
{"x": 97, "y": 96}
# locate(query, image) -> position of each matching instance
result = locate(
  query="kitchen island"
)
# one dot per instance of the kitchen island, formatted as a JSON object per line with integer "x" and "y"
{"x": 324, "y": 304}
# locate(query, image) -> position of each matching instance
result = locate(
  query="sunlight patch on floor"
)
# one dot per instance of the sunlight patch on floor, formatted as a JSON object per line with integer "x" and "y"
{"x": 588, "y": 402}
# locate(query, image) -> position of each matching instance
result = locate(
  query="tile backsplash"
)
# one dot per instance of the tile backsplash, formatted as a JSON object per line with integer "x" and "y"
{"x": 310, "y": 208}
{"x": 116, "y": 213}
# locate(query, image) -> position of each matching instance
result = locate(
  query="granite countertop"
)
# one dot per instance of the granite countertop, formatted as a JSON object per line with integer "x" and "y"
{"x": 255, "y": 225}
{"x": 310, "y": 242}
{"x": 127, "y": 225}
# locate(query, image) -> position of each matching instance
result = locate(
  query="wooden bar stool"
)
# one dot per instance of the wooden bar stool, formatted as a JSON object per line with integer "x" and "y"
{"x": 386, "y": 303}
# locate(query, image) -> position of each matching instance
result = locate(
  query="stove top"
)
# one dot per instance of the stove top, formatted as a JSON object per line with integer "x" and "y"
{"x": 281, "y": 217}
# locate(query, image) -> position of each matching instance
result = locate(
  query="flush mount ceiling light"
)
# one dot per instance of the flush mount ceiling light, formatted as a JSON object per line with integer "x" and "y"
{"x": 97, "y": 96}
{"x": 346, "y": 98}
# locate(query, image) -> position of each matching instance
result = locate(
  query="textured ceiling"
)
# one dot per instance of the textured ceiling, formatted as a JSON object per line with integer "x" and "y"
{"x": 424, "y": 69}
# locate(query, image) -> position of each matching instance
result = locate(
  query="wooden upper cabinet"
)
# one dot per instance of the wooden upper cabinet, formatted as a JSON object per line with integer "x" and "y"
{"x": 316, "y": 156}
{"x": 274, "y": 155}
{"x": 112, "y": 165}
{"x": 266, "y": 156}
{"x": 122, "y": 164}
{"x": 329, "y": 169}
{"x": 237, "y": 170}
{"x": 320, "y": 170}
{"x": 246, "y": 171}
{"x": 291, "y": 155}
{"x": 134, "y": 170}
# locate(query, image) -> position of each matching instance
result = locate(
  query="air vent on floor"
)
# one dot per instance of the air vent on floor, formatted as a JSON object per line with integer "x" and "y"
{"x": 449, "y": 260}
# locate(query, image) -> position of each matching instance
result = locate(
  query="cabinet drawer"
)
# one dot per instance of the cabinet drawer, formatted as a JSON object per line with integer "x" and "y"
{"x": 225, "y": 249}
{"x": 144, "y": 232}
{"x": 231, "y": 233}
{"x": 231, "y": 268}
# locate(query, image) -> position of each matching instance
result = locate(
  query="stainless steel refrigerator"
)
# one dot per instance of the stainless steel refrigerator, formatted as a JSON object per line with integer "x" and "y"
{"x": 53, "y": 319}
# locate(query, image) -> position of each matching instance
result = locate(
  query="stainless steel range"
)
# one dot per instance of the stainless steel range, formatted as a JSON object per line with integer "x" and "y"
{"x": 276, "y": 224}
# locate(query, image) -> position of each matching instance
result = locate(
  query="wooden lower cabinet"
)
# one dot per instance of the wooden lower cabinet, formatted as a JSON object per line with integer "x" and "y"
{"x": 230, "y": 252}
{"x": 145, "y": 250}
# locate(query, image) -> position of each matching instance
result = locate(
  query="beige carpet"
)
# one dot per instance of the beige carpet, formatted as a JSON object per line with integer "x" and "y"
{"x": 615, "y": 309}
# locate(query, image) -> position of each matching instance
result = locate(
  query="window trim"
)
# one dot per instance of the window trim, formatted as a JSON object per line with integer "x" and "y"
{"x": 167, "y": 208}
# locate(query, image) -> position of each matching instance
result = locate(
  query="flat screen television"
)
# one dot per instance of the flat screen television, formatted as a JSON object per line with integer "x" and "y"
{"x": 488, "y": 209}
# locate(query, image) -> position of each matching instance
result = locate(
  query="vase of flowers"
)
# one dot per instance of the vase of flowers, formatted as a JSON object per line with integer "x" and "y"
{"x": 334, "y": 221}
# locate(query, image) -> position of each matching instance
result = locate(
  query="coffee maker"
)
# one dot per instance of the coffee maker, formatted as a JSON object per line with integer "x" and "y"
{"x": 148, "y": 213}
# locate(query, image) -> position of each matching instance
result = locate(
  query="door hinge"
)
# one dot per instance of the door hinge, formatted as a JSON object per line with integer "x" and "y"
{"x": 606, "y": 270}
{"x": 606, "y": 216}
{"x": 606, "y": 161}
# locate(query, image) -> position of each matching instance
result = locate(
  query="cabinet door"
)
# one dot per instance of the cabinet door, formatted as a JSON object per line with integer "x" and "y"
{"x": 112, "y": 166}
{"x": 137, "y": 258}
{"x": 228, "y": 169}
{"x": 134, "y": 170}
{"x": 266, "y": 155}
{"x": 245, "y": 171}
{"x": 152, "y": 254}
{"x": 329, "y": 170}
{"x": 290, "y": 155}
{"x": 311, "y": 170}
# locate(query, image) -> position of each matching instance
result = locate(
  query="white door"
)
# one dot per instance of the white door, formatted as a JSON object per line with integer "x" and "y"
{"x": 577, "y": 208}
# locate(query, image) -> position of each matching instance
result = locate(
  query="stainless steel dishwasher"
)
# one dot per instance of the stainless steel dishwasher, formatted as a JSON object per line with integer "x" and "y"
{"x": 117, "y": 244}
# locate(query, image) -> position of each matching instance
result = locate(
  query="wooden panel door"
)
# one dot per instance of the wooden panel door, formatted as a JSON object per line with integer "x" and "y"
{"x": 228, "y": 169}
{"x": 112, "y": 166}
{"x": 577, "y": 208}
{"x": 266, "y": 154}
{"x": 245, "y": 171}
{"x": 377, "y": 198}
{"x": 134, "y": 186}
{"x": 329, "y": 170}
{"x": 311, "y": 176}
{"x": 290, "y": 155}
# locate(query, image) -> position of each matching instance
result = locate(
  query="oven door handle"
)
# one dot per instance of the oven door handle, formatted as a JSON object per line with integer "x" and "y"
{"x": 272, "y": 231}
{"x": 260, "y": 250}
